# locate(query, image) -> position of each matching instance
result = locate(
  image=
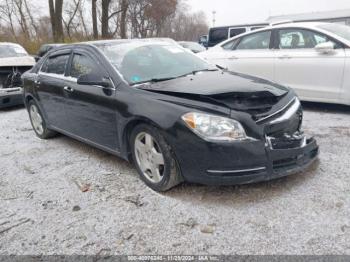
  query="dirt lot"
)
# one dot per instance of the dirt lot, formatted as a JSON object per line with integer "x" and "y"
{"x": 43, "y": 209}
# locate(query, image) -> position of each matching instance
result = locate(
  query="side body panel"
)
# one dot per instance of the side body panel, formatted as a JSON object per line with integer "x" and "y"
{"x": 313, "y": 75}
{"x": 345, "y": 90}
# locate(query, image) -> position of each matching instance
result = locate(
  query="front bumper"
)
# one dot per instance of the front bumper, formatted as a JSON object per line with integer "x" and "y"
{"x": 11, "y": 97}
{"x": 246, "y": 162}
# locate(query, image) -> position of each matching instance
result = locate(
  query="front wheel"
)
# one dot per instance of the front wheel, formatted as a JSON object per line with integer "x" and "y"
{"x": 154, "y": 159}
{"x": 38, "y": 122}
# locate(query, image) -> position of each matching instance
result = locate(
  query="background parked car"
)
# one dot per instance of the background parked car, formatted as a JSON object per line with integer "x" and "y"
{"x": 312, "y": 58}
{"x": 193, "y": 46}
{"x": 14, "y": 61}
{"x": 203, "y": 40}
{"x": 222, "y": 33}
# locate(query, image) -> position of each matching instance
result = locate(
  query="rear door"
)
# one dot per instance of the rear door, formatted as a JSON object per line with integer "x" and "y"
{"x": 251, "y": 54}
{"x": 91, "y": 110}
{"x": 314, "y": 75}
{"x": 49, "y": 88}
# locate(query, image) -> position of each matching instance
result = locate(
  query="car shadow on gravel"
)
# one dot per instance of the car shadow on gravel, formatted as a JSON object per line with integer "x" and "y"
{"x": 201, "y": 194}
{"x": 90, "y": 151}
{"x": 243, "y": 194}
{"x": 11, "y": 108}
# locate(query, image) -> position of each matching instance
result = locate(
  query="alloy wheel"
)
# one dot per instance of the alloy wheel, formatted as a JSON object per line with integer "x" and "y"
{"x": 37, "y": 120}
{"x": 149, "y": 157}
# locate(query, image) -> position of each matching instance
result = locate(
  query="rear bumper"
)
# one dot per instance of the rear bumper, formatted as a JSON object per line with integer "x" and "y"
{"x": 249, "y": 162}
{"x": 11, "y": 97}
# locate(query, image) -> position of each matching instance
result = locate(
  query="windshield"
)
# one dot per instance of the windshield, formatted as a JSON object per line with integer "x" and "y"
{"x": 337, "y": 29}
{"x": 12, "y": 51}
{"x": 142, "y": 62}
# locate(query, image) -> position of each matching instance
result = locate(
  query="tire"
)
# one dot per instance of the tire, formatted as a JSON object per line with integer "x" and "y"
{"x": 154, "y": 159}
{"x": 38, "y": 122}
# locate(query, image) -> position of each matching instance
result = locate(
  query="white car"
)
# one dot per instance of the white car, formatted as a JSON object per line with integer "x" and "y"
{"x": 312, "y": 58}
{"x": 14, "y": 61}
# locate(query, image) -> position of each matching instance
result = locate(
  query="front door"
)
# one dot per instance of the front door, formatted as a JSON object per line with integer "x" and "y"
{"x": 251, "y": 54}
{"x": 91, "y": 110}
{"x": 314, "y": 75}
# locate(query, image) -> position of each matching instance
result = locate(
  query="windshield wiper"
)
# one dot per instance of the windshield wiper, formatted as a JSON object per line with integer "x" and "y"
{"x": 204, "y": 70}
{"x": 154, "y": 80}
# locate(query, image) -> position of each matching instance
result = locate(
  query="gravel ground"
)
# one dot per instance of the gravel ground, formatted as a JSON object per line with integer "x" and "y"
{"x": 63, "y": 197}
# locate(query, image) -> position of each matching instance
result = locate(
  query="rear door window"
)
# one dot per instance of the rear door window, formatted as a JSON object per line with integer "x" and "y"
{"x": 56, "y": 64}
{"x": 300, "y": 39}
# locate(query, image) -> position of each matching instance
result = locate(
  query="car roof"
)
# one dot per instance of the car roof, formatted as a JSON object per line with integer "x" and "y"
{"x": 187, "y": 42}
{"x": 297, "y": 24}
{"x": 287, "y": 24}
{"x": 97, "y": 43}
{"x": 241, "y": 25}
{"x": 310, "y": 25}
{"x": 139, "y": 40}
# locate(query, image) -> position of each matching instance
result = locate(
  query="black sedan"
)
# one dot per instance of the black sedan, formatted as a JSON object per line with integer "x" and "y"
{"x": 168, "y": 111}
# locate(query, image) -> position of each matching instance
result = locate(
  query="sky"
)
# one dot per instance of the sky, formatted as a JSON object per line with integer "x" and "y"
{"x": 231, "y": 12}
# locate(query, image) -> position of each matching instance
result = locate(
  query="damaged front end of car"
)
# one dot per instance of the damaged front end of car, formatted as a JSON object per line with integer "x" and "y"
{"x": 14, "y": 61}
{"x": 276, "y": 147}
{"x": 268, "y": 142}
{"x": 11, "y": 84}
{"x": 289, "y": 149}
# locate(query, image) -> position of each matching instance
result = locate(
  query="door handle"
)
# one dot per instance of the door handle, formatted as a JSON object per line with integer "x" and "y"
{"x": 68, "y": 89}
{"x": 285, "y": 57}
{"x": 233, "y": 58}
{"x": 37, "y": 82}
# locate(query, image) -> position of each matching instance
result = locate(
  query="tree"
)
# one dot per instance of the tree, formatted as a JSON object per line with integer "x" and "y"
{"x": 123, "y": 18}
{"x": 7, "y": 11}
{"x": 94, "y": 18}
{"x": 105, "y": 18}
{"x": 56, "y": 9}
{"x": 22, "y": 17}
{"x": 114, "y": 18}
{"x": 71, "y": 12}
{"x": 140, "y": 24}
{"x": 159, "y": 11}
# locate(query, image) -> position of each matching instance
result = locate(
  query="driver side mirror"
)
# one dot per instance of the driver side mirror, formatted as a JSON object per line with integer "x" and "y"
{"x": 93, "y": 80}
{"x": 325, "y": 48}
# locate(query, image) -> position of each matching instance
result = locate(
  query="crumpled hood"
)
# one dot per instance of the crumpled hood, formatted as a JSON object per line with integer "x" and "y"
{"x": 219, "y": 82}
{"x": 17, "y": 61}
{"x": 239, "y": 92}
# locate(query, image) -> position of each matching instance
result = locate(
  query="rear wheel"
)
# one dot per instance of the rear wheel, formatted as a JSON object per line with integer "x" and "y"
{"x": 154, "y": 159}
{"x": 38, "y": 122}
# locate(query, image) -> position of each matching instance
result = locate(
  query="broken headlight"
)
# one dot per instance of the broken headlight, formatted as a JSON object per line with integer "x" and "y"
{"x": 215, "y": 128}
